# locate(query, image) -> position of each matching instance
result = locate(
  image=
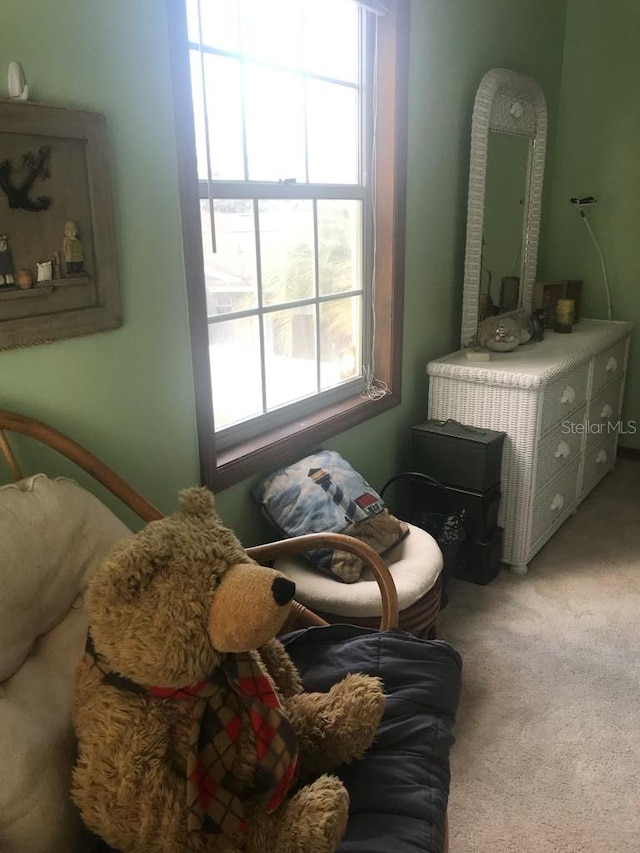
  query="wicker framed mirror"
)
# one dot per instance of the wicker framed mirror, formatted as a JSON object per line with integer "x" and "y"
{"x": 508, "y": 106}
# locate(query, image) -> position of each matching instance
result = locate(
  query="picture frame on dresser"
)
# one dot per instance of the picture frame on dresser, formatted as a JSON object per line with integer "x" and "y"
{"x": 59, "y": 271}
{"x": 547, "y": 293}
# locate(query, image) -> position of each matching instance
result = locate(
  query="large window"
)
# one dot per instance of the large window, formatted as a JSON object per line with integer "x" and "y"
{"x": 291, "y": 119}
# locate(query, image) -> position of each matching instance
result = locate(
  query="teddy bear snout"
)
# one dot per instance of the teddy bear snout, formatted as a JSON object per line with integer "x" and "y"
{"x": 249, "y": 607}
{"x": 283, "y": 590}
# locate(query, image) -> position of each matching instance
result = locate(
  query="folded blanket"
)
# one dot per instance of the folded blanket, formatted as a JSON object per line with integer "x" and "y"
{"x": 399, "y": 790}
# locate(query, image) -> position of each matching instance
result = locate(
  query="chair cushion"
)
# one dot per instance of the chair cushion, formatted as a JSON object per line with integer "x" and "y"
{"x": 323, "y": 493}
{"x": 399, "y": 790}
{"x": 53, "y": 535}
{"x": 415, "y": 564}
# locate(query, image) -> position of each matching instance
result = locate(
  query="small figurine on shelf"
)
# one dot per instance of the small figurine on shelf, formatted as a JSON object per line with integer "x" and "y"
{"x": 55, "y": 266}
{"x": 44, "y": 271}
{"x": 24, "y": 279}
{"x": 72, "y": 249}
{"x": 6, "y": 262}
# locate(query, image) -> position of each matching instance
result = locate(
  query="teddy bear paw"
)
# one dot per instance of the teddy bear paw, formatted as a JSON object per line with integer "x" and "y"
{"x": 323, "y": 808}
{"x": 359, "y": 703}
{"x": 312, "y": 821}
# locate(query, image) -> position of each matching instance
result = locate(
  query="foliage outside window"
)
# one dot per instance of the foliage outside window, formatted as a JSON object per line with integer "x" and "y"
{"x": 291, "y": 122}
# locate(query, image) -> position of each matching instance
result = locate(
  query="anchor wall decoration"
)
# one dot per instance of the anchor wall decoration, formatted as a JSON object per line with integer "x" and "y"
{"x": 36, "y": 167}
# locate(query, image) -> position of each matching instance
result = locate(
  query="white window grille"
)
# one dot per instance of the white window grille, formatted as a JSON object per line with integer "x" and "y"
{"x": 282, "y": 94}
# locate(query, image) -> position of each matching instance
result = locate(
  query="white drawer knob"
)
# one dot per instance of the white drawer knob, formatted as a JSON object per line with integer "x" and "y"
{"x": 612, "y": 365}
{"x": 563, "y": 450}
{"x": 602, "y": 457}
{"x": 557, "y": 502}
{"x": 568, "y": 395}
{"x": 607, "y": 411}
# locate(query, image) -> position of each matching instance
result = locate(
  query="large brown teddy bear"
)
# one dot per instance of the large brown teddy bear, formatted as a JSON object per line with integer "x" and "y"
{"x": 193, "y": 728}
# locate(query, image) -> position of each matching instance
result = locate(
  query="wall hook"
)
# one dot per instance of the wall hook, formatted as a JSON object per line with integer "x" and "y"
{"x": 18, "y": 88}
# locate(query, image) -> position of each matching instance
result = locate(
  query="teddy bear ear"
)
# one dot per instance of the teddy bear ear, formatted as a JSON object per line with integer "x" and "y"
{"x": 197, "y": 501}
{"x": 124, "y": 574}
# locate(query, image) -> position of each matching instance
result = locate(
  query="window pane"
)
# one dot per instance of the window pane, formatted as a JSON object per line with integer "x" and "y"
{"x": 339, "y": 246}
{"x": 219, "y": 23}
{"x": 234, "y": 352}
{"x": 192, "y": 20}
{"x": 286, "y": 250}
{"x": 275, "y": 124}
{"x": 331, "y": 35}
{"x": 290, "y": 355}
{"x": 332, "y": 128}
{"x": 224, "y": 112}
{"x": 198, "y": 114}
{"x": 230, "y": 273}
{"x": 340, "y": 341}
{"x": 272, "y": 31}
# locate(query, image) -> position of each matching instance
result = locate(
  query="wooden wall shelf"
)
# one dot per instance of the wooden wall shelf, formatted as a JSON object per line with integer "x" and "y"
{"x": 43, "y": 288}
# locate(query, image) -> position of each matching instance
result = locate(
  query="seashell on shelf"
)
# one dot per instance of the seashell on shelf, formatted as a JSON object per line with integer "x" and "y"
{"x": 502, "y": 344}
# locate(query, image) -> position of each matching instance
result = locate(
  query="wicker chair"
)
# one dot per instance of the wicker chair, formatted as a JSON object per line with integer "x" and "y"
{"x": 300, "y": 616}
{"x": 415, "y": 565}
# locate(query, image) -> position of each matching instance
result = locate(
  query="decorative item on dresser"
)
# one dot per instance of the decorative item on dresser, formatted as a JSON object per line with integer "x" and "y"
{"x": 559, "y": 402}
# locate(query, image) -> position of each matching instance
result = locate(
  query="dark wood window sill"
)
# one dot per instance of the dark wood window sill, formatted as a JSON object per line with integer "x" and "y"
{"x": 286, "y": 443}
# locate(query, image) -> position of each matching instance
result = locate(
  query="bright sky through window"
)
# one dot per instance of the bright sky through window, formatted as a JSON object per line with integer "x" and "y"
{"x": 298, "y": 77}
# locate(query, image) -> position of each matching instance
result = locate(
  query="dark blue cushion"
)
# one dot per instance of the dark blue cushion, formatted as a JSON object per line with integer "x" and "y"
{"x": 399, "y": 790}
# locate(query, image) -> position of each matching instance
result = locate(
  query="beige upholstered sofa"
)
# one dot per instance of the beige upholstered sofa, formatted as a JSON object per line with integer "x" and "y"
{"x": 53, "y": 534}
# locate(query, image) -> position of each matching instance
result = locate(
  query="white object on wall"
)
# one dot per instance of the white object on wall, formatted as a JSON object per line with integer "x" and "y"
{"x": 18, "y": 88}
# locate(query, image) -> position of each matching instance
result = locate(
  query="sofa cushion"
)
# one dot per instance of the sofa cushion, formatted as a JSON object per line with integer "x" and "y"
{"x": 53, "y": 535}
{"x": 37, "y": 746}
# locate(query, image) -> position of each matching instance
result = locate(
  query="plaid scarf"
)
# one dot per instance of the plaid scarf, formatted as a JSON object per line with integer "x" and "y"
{"x": 238, "y": 688}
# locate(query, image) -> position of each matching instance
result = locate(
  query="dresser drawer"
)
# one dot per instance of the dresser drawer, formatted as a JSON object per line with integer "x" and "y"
{"x": 564, "y": 396}
{"x": 555, "y": 501}
{"x": 604, "y": 413}
{"x": 599, "y": 458}
{"x": 608, "y": 366}
{"x": 560, "y": 447}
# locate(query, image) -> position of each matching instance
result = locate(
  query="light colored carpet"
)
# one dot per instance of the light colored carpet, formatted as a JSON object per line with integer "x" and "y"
{"x": 547, "y": 758}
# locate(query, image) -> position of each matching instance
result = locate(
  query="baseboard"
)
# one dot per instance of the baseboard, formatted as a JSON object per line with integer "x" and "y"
{"x": 629, "y": 452}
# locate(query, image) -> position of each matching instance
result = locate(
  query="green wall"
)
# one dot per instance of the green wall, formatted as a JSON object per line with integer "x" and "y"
{"x": 128, "y": 394}
{"x": 597, "y": 154}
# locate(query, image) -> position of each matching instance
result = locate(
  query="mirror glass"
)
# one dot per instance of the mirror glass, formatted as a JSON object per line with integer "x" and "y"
{"x": 504, "y": 224}
{"x": 506, "y": 170}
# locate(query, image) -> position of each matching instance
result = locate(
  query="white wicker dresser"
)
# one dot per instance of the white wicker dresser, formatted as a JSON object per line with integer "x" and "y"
{"x": 559, "y": 403}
